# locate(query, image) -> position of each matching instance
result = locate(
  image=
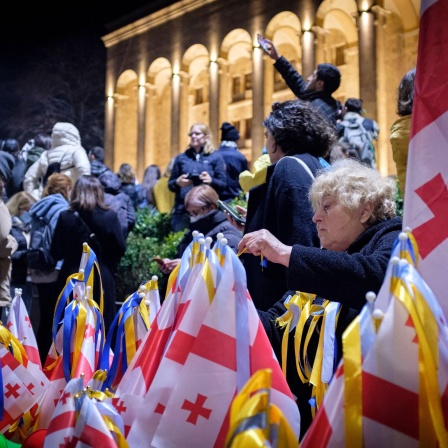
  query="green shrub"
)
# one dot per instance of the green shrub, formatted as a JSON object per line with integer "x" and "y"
{"x": 152, "y": 236}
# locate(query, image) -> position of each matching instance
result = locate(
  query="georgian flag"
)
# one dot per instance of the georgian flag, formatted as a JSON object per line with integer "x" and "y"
{"x": 426, "y": 196}
{"x": 19, "y": 324}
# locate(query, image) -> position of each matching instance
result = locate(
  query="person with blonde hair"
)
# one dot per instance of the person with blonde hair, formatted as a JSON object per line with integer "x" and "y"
{"x": 354, "y": 213}
{"x": 199, "y": 164}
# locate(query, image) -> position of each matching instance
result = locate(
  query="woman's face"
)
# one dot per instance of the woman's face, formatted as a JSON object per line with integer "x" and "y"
{"x": 275, "y": 154}
{"x": 337, "y": 226}
{"x": 197, "y": 138}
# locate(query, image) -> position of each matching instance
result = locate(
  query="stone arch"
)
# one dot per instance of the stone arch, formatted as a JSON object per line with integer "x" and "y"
{"x": 126, "y": 123}
{"x": 195, "y": 90}
{"x": 158, "y": 113}
{"x": 236, "y": 85}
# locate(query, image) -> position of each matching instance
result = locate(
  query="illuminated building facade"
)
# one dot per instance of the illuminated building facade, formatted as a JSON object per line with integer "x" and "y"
{"x": 199, "y": 61}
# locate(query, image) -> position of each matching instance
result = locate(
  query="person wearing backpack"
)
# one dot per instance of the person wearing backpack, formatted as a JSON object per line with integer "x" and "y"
{"x": 358, "y": 131}
{"x": 66, "y": 156}
{"x": 42, "y": 267}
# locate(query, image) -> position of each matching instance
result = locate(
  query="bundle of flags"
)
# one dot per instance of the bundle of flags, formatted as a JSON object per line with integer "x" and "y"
{"x": 204, "y": 345}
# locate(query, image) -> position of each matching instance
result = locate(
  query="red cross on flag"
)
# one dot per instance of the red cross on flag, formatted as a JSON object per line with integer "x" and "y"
{"x": 426, "y": 196}
{"x": 19, "y": 324}
{"x": 21, "y": 389}
{"x": 216, "y": 347}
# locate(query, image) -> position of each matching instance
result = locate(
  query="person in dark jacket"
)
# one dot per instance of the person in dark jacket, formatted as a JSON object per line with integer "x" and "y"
{"x": 201, "y": 204}
{"x": 15, "y": 184}
{"x": 319, "y": 87}
{"x": 39, "y": 144}
{"x": 354, "y": 212}
{"x": 116, "y": 200}
{"x": 234, "y": 160}
{"x": 19, "y": 206}
{"x": 89, "y": 215}
{"x": 297, "y": 137}
{"x": 128, "y": 181}
{"x": 96, "y": 157}
{"x": 198, "y": 164}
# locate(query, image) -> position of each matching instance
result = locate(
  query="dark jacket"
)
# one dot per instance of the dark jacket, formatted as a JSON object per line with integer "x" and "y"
{"x": 322, "y": 101}
{"x": 235, "y": 163}
{"x": 132, "y": 191}
{"x": 67, "y": 244}
{"x": 98, "y": 168}
{"x": 115, "y": 199}
{"x": 344, "y": 277}
{"x": 211, "y": 225}
{"x": 190, "y": 162}
{"x": 281, "y": 206}
{"x": 15, "y": 184}
{"x": 20, "y": 229}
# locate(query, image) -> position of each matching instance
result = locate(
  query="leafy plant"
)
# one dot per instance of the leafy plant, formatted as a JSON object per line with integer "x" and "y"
{"x": 399, "y": 199}
{"x": 152, "y": 236}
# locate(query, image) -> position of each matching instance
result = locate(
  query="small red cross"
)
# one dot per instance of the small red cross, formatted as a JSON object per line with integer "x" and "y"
{"x": 12, "y": 390}
{"x": 196, "y": 409}
{"x": 120, "y": 407}
{"x": 30, "y": 387}
{"x": 432, "y": 233}
{"x": 65, "y": 397}
{"x": 89, "y": 332}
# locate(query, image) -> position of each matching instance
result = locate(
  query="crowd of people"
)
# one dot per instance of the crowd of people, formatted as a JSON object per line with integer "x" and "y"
{"x": 312, "y": 188}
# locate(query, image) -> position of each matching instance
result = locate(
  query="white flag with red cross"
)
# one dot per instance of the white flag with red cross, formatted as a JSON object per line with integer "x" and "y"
{"x": 426, "y": 195}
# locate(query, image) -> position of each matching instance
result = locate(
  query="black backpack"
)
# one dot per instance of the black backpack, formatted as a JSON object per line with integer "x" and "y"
{"x": 38, "y": 256}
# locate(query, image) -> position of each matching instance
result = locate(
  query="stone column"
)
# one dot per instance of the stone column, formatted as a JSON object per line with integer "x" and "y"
{"x": 257, "y": 102}
{"x": 213, "y": 101}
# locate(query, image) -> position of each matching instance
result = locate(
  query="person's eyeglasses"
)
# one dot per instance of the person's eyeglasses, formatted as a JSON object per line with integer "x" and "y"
{"x": 195, "y": 133}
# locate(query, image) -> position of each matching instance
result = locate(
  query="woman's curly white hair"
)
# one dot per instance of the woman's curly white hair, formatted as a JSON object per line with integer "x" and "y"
{"x": 354, "y": 185}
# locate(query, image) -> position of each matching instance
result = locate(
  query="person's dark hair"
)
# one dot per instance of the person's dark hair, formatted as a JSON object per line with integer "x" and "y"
{"x": 330, "y": 75}
{"x": 405, "y": 95}
{"x": 98, "y": 153}
{"x": 353, "y": 105}
{"x": 151, "y": 176}
{"x": 298, "y": 128}
{"x": 10, "y": 145}
{"x": 58, "y": 183}
{"x": 87, "y": 194}
{"x": 42, "y": 141}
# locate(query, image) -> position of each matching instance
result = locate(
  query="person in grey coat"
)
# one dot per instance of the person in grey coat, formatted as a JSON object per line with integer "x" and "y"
{"x": 354, "y": 213}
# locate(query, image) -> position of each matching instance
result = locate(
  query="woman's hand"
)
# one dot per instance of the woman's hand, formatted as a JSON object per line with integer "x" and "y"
{"x": 205, "y": 177}
{"x": 262, "y": 242}
{"x": 183, "y": 181}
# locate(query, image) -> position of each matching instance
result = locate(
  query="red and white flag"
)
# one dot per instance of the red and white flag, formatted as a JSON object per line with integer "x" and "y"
{"x": 22, "y": 390}
{"x": 217, "y": 346}
{"x": 62, "y": 424}
{"x": 19, "y": 324}
{"x": 426, "y": 196}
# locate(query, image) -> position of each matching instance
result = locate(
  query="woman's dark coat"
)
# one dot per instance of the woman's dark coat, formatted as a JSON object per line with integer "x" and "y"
{"x": 343, "y": 277}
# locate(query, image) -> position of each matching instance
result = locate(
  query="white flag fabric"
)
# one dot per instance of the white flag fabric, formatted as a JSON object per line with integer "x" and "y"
{"x": 426, "y": 196}
{"x": 19, "y": 324}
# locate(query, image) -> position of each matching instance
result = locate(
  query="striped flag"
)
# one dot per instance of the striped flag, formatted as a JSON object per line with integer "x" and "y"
{"x": 426, "y": 196}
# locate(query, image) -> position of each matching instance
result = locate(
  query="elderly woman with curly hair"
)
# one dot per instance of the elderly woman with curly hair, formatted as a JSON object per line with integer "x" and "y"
{"x": 297, "y": 139}
{"x": 354, "y": 213}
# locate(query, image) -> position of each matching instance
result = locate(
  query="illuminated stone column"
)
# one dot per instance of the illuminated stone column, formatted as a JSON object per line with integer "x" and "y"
{"x": 141, "y": 130}
{"x": 367, "y": 61}
{"x": 257, "y": 102}
{"x": 213, "y": 100}
{"x": 308, "y": 53}
{"x": 175, "y": 114}
{"x": 109, "y": 131}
